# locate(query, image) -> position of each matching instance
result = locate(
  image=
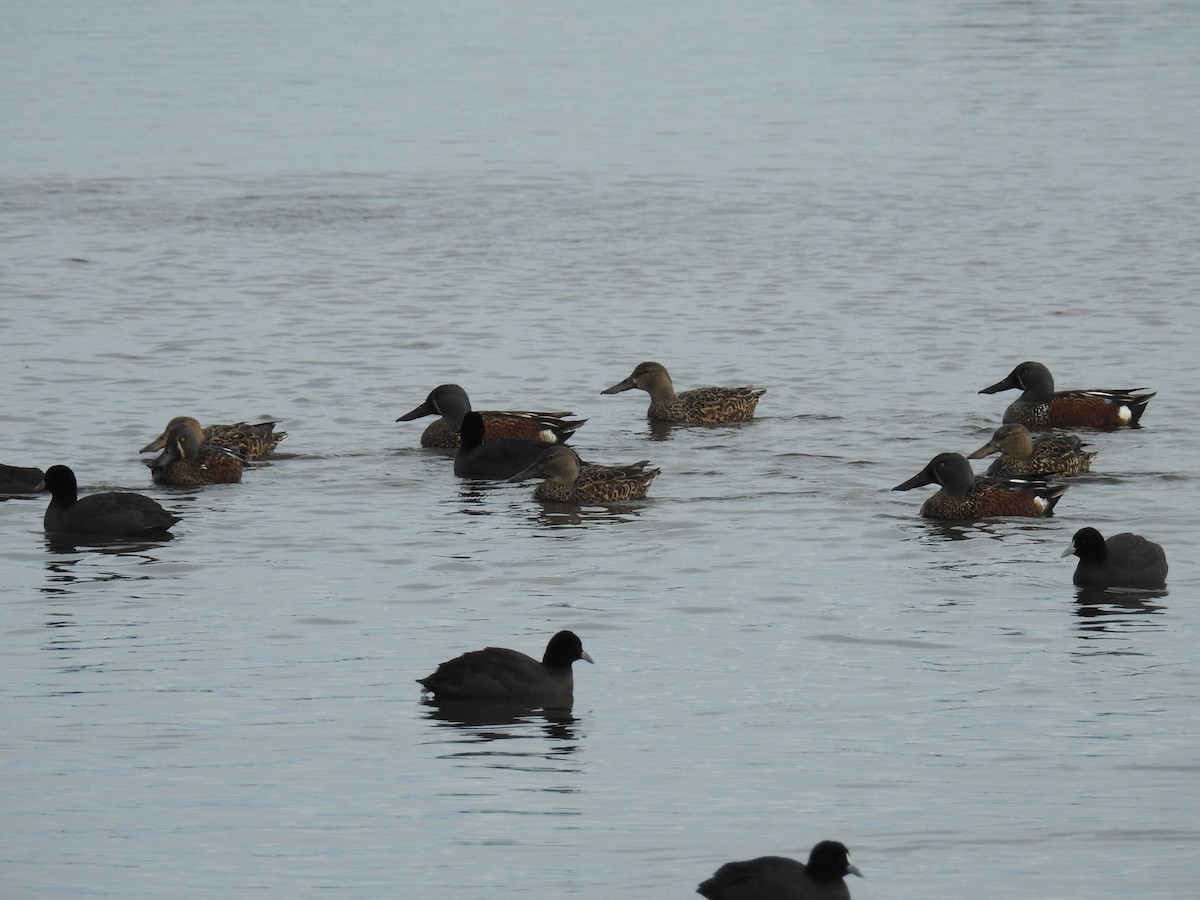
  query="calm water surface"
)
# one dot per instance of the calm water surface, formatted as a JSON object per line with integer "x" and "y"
{"x": 316, "y": 214}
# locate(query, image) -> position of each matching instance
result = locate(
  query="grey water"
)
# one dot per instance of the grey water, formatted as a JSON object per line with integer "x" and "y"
{"x": 318, "y": 212}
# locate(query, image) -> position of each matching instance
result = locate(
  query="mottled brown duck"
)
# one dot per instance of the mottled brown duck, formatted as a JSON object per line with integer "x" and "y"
{"x": 569, "y": 480}
{"x": 700, "y": 406}
{"x": 253, "y": 442}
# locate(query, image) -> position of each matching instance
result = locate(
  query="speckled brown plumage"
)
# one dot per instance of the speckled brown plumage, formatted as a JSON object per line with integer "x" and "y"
{"x": 186, "y": 460}
{"x": 1023, "y": 454}
{"x": 251, "y": 441}
{"x": 451, "y": 403}
{"x": 569, "y": 480}
{"x": 965, "y": 496}
{"x": 700, "y": 406}
{"x": 1040, "y": 406}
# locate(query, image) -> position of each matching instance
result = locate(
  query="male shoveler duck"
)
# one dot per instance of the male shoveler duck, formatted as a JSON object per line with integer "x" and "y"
{"x": 496, "y": 675}
{"x": 777, "y": 877}
{"x": 251, "y": 441}
{"x": 187, "y": 460}
{"x": 451, "y": 402}
{"x": 701, "y": 406}
{"x": 20, "y": 479}
{"x": 1124, "y": 560}
{"x": 1040, "y": 406}
{"x": 1023, "y": 454}
{"x": 569, "y": 480}
{"x": 110, "y": 514}
{"x": 491, "y": 460}
{"x": 963, "y": 495}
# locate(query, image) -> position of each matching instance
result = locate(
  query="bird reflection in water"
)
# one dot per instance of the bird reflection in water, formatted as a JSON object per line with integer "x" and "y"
{"x": 574, "y": 515}
{"x": 1113, "y": 610}
{"x": 70, "y": 558}
{"x": 487, "y": 723}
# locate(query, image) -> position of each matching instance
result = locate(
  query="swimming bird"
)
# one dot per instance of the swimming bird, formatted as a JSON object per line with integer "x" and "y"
{"x": 1023, "y": 454}
{"x": 780, "y": 878}
{"x": 20, "y": 479}
{"x": 964, "y": 495}
{"x": 1040, "y": 406}
{"x": 570, "y": 480}
{"x": 187, "y": 460}
{"x": 451, "y": 403}
{"x": 495, "y": 460}
{"x": 251, "y": 441}
{"x": 497, "y": 675}
{"x": 113, "y": 513}
{"x": 1124, "y": 560}
{"x": 702, "y": 406}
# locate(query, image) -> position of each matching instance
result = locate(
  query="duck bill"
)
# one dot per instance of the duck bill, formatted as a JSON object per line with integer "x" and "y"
{"x": 530, "y": 471}
{"x": 986, "y": 450}
{"x": 626, "y": 385}
{"x": 1006, "y": 384}
{"x": 157, "y": 444}
{"x": 423, "y": 410}
{"x": 164, "y": 459}
{"x": 922, "y": 477}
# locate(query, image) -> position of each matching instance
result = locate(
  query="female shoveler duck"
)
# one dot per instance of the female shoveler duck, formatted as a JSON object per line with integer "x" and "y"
{"x": 780, "y": 878}
{"x": 1040, "y": 406}
{"x": 701, "y": 406}
{"x": 1124, "y": 560}
{"x": 20, "y": 479}
{"x": 1023, "y": 454}
{"x": 187, "y": 460}
{"x": 963, "y": 495}
{"x": 497, "y": 675}
{"x": 569, "y": 480}
{"x": 110, "y": 514}
{"x": 452, "y": 403}
{"x": 251, "y": 441}
{"x": 491, "y": 460}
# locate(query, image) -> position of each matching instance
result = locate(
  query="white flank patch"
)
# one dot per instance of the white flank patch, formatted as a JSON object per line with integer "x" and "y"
{"x": 1040, "y": 503}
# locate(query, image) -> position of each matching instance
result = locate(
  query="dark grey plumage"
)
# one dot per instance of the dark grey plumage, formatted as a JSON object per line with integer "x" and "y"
{"x": 20, "y": 479}
{"x": 499, "y": 675}
{"x": 491, "y": 460}
{"x": 111, "y": 514}
{"x": 1124, "y": 560}
{"x": 780, "y": 878}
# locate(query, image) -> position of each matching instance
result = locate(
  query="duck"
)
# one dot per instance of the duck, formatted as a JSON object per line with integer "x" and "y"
{"x": 187, "y": 460}
{"x": 964, "y": 495}
{"x": 451, "y": 403}
{"x": 780, "y": 878}
{"x": 253, "y": 442}
{"x": 491, "y": 460}
{"x": 21, "y": 479}
{"x": 111, "y": 514}
{"x": 1040, "y": 406}
{"x": 1022, "y": 454}
{"x": 700, "y": 406}
{"x": 570, "y": 480}
{"x": 497, "y": 675}
{"x": 1124, "y": 560}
